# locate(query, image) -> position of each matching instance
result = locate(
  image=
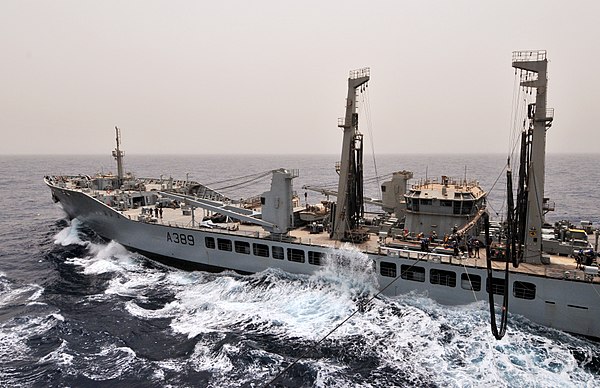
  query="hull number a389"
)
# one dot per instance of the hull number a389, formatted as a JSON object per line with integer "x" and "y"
{"x": 180, "y": 238}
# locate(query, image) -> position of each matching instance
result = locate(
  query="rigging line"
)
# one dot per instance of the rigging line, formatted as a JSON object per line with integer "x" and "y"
{"x": 327, "y": 184}
{"x": 245, "y": 183}
{"x": 376, "y": 178}
{"x": 498, "y": 178}
{"x": 515, "y": 142}
{"x": 517, "y": 137}
{"x": 234, "y": 190}
{"x": 367, "y": 106}
{"x": 494, "y": 210}
{"x": 470, "y": 282}
{"x": 537, "y": 200}
{"x": 365, "y": 180}
{"x": 239, "y": 177}
{"x": 361, "y": 308}
{"x": 514, "y": 134}
{"x": 254, "y": 179}
{"x": 521, "y": 105}
{"x": 517, "y": 132}
{"x": 501, "y": 212}
{"x": 513, "y": 110}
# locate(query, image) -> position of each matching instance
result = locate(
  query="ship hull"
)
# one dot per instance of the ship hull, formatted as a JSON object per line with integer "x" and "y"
{"x": 564, "y": 304}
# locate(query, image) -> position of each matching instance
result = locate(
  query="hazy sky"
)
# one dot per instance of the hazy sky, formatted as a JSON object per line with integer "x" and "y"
{"x": 196, "y": 77}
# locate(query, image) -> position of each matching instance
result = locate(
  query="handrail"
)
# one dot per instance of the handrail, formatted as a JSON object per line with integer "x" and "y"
{"x": 529, "y": 56}
{"x": 364, "y": 72}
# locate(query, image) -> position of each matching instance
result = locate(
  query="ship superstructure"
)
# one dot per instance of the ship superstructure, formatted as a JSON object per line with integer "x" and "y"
{"x": 444, "y": 207}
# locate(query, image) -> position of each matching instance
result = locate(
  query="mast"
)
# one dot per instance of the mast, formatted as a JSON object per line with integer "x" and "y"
{"x": 349, "y": 208}
{"x": 533, "y": 66}
{"x": 118, "y": 155}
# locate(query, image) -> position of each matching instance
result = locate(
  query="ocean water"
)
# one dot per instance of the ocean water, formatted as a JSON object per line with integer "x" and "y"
{"x": 79, "y": 311}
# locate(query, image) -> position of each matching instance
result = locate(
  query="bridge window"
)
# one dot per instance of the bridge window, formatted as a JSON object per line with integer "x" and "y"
{"x": 209, "y": 242}
{"x": 387, "y": 269}
{"x": 470, "y": 282}
{"x": 415, "y": 204}
{"x": 223, "y": 244}
{"x": 467, "y": 207}
{"x": 242, "y": 247}
{"x": 456, "y": 207}
{"x": 261, "y": 250}
{"x": 410, "y": 272}
{"x": 443, "y": 278}
{"x": 524, "y": 290}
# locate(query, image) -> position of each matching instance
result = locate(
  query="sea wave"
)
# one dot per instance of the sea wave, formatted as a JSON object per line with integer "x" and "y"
{"x": 130, "y": 320}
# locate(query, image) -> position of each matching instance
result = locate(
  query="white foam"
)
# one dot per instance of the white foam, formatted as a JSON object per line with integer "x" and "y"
{"x": 438, "y": 344}
{"x": 105, "y": 258}
{"x": 26, "y": 294}
{"x": 168, "y": 311}
{"x": 454, "y": 346}
{"x": 158, "y": 375}
{"x": 120, "y": 359}
{"x": 15, "y": 333}
{"x": 59, "y": 356}
{"x": 445, "y": 345}
{"x": 350, "y": 268}
{"x": 112, "y": 250}
{"x": 70, "y": 235}
{"x": 39, "y": 290}
{"x": 172, "y": 365}
{"x": 331, "y": 375}
{"x": 204, "y": 359}
{"x": 58, "y": 316}
{"x": 304, "y": 307}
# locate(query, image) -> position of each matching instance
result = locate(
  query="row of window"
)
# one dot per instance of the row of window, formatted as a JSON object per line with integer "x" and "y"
{"x": 522, "y": 290}
{"x": 263, "y": 250}
{"x": 458, "y": 207}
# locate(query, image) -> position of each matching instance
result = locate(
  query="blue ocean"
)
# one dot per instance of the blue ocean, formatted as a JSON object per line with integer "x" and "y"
{"x": 78, "y": 311}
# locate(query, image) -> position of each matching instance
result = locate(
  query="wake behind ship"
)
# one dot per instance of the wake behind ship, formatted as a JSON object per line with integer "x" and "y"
{"x": 414, "y": 244}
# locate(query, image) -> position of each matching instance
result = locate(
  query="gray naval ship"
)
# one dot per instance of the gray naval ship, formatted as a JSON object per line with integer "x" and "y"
{"x": 424, "y": 241}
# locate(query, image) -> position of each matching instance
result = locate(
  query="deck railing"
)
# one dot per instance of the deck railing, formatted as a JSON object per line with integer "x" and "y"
{"x": 529, "y": 56}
